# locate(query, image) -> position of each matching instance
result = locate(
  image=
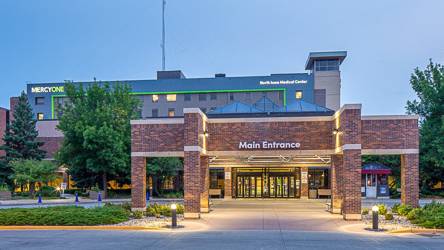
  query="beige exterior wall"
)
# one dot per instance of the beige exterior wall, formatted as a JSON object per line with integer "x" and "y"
{"x": 331, "y": 82}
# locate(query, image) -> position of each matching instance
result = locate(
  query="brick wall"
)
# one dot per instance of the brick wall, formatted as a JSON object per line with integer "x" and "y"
{"x": 410, "y": 179}
{"x": 138, "y": 183}
{"x": 3, "y": 121}
{"x": 336, "y": 183}
{"x": 351, "y": 183}
{"x": 13, "y": 101}
{"x": 192, "y": 183}
{"x": 50, "y": 145}
{"x": 157, "y": 137}
{"x": 311, "y": 135}
{"x": 390, "y": 134}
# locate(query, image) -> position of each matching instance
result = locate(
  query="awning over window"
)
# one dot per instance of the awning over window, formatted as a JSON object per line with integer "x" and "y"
{"x": 375, "y": 168}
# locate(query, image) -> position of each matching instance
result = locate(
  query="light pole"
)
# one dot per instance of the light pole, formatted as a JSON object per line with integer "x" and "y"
{"x": 173, "y": 216}
{"x": 375, "y": 217}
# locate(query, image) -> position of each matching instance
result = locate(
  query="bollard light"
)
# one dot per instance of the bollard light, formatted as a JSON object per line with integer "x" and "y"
{"x": 77, "y": 199}
{"x": 375, "y": 217}
{"x": 99, "y": 199}
{"x": 173, "y": 216}
{"x": 39, "y": 202}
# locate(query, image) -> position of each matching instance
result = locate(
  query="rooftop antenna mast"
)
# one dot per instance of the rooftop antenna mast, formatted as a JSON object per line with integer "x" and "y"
{"x": 163, "y": 34}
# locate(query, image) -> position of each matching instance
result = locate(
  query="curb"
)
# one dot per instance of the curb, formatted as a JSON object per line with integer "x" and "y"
{"x": 104, "y": 228}
{"x": 416, "y": 230}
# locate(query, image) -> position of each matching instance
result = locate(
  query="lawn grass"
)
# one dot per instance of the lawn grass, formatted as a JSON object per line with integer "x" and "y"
{"x": 64, "y": 215}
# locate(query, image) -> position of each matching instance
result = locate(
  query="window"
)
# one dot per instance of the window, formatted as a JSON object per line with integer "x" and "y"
{"x": 320, "y": 97}
{"x": 155, "y": 98}
{"x": 281, "y": 95}
{"x": 298, "y": 94}
{"x": 187, "y": 97}
{"x": 39, "y": 100}
{"x": 213, "y": 96}
{"x": 171, "y": 98}
{"x": 171, "y": 112}
{"x": 231, "y": 96}
{"x": 154, "y": 113}
{"x": 202, "y": 97}
{"x": 212, "y": 109}
{"x": 318, "y": 178}
{"x": 40, "y": 116}
{"x": 327, "y": 65}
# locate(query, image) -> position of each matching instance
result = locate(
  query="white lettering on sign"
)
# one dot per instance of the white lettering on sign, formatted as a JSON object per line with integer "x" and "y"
{"x": 56, "y": 89}
{"x": 282, "y": 82}
{"x": 269, "y": 145}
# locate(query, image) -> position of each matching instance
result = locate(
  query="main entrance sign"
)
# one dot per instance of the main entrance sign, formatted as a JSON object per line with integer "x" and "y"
{"x": 268, "y": 145}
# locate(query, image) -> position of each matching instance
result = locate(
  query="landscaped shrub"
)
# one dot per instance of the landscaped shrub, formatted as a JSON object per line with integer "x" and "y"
{"x": 404, "y": 209}
{"x": 388, "y": 216}
{"x": 365, "y": 211}
{"x": 64, "y": 215}
{"x": 382, "y": 209}
{"x": 48, "y": 191}
{"x": 163, "y": 210}
{"x": 138, "y": 214}
{"x": 395, "y": 208}
{"x": 414, "y": 214}
{"x": 430, "y": 216}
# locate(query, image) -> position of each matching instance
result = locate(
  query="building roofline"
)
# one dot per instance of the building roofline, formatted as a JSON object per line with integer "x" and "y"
{"x": 312, "y": 56}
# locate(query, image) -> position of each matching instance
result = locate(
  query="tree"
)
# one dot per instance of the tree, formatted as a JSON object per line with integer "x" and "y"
{"x": 20, "y": 140}
{"x": 161, "y": 168}
{"x": 29, "y": 172}
{"x": 429, "y": 87}
{"x": 97, "y": 133}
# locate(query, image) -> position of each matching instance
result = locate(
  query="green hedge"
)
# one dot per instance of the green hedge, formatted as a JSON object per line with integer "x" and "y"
{"x": 430, "y": 216}
{"x": 64, "y": 215}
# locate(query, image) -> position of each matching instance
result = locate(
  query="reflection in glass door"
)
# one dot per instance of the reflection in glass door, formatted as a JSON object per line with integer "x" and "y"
{"x": 267, "y": 183}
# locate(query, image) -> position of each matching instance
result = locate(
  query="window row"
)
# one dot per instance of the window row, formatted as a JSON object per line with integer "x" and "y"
{"x": 203, "y": 96}
{"x": 172, "y": 111}
{"x": 327, "y": 65}
{"x": 186, "y": 97}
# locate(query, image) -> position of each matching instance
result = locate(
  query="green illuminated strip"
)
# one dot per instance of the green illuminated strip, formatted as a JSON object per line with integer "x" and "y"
{"x": 190, "y": 92}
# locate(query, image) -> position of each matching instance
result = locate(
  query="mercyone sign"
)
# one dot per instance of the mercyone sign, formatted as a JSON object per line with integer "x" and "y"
{"x": 268, "y": 145}
{"x": 56, "y": 89}
{"x": 283, "y": 82}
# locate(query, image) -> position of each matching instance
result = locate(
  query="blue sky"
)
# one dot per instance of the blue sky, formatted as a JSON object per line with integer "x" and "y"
{"x": 54, "y": 40}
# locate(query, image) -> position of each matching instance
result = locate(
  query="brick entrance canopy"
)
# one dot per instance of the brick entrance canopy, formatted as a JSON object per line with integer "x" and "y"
{"x": 344, "y": 136}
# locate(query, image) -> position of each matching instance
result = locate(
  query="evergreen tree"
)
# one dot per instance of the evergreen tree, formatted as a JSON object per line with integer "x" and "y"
{"x": 20, "y": 140}
{"x": 429, "y": 86}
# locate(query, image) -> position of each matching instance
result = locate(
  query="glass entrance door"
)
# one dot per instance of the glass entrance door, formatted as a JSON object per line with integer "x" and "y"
{"x": 267, "y": 183}
{"x": 249, "y": 187}
{"x": 282, "y": 186}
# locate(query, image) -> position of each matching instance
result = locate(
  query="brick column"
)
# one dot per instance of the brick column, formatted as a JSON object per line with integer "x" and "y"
{"x": 410, "y": 179}
{"x": 336, "y": 195}
{"x": 351, "y": 184}
{"x": 227, "y": 183}
{"x": 205, "y": 178}
{"x": 138, "y": 183}
{"x": 304, "y": 182}
{"x": 192, "y": 184}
